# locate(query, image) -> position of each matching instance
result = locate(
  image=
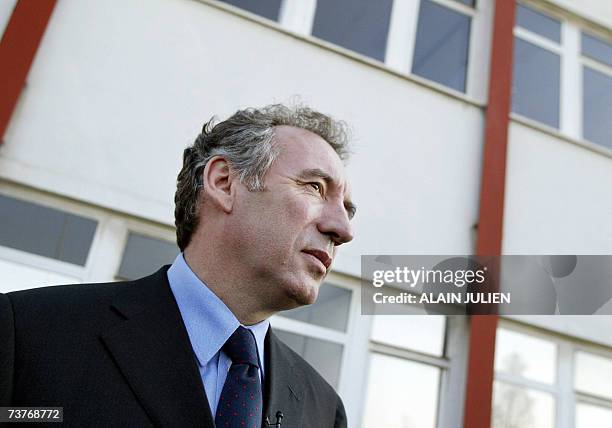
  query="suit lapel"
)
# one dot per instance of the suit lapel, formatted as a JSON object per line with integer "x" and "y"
{"x": 283, "y": 391}
{"x": 152, "y": 349}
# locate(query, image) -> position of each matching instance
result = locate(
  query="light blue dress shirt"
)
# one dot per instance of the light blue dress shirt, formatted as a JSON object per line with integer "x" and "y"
{"x": 209, "y": 324}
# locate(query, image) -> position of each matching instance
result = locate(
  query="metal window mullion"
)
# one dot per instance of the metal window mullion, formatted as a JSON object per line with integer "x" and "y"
{"x": 525, "y": 383}
{"x": 538, "y": 40}
{"x": 107, "y": 249}
{"x": 410, "y": 355}
{"x": 298, "y": 15}
{"x": 401, "y": 37}
{"x": 565, "y": 404}
{"x": 479, "y": 52}
{"x": 597, "y": 66}
{"x": 457, "y": 6}
{"x": 308, "y": 330}
{"x": 571, "y": 82}
{"x": 452, "y": 389}
{"x": 355, "y": 360}
{"x": 593, "y": 400}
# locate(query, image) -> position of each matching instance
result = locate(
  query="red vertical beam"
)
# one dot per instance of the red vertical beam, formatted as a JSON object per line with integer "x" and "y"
{"x": 18, "y": 46}
{"x": 479, "y": 388}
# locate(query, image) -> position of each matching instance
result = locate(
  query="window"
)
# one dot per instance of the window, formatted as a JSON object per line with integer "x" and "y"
{"x": 593, "y": 390}
{"x": 537, "y": 67}
{"x": 144, "y": 255}
{"x": 442, "y": 44}
{"x": 267, "y": 8}
{"x": 428, "y": 38}
{"x": 45, "y": 231}
{"x": 406, "y": 366}
{"x": 359, "y": 25}
{"x": 562, "y": 75}
{"x": 546, "y": 381}
{"x": 318, "y": 332}
{"x": 597, "y": 90}
{"x": 401, "y": 393}
{"x": 525, "y": 371}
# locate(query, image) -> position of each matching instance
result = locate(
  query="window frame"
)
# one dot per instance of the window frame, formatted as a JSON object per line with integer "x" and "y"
{"x": 562, "y": 390}
{"x": 297, "y": 17}
{"x": 572, "y": 62}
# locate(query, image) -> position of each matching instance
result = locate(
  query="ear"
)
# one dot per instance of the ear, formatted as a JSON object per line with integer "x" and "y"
{"x": 219, "y": 183}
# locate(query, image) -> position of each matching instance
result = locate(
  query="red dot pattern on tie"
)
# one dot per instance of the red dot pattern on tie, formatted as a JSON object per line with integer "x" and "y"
{"x": 241, "y": 397}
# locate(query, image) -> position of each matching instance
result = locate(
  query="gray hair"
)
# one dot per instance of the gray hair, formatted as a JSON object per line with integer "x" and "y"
{"x": 246, "y": 140}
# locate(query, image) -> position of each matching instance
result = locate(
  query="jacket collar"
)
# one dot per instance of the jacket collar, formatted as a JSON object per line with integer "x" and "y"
{"x": 152, "y": 350}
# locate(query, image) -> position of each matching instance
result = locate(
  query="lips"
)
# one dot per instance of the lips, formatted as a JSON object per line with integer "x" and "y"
{"x": 321, "y": 255}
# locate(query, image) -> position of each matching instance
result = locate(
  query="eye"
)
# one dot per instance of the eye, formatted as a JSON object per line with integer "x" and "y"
{"x": 316, "y": 186}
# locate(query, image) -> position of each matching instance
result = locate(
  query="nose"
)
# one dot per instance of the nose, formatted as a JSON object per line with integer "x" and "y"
{"x": 334, "y": 222}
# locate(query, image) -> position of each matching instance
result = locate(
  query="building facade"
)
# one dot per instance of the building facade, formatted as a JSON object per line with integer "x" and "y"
{"x": 479, "y": 126}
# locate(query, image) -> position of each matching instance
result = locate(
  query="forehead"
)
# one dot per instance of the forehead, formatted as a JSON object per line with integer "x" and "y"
{"x": 302, "y": 150}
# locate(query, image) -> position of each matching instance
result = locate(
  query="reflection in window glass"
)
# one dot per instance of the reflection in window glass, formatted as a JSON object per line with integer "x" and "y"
{"x": 468, "y": 2}
{"x": 358, "y": 25}
{"x": 45, "y": 231}
{"x": 588, "y": 416}
{"x": 421, "y": 333}
{"x": 525, "y": 356}
{"x": 331, "y": 309}
{"x": 597, "y": 104}
{"x": 535, "y": 87}
{"x": 515, "y": 406}
{"x": 324, "y": 356}
{"x": 597, "y": 49}
{"x": 538, "y": 22}
{"x": 267, "y": 8}
{"x": 593, "y": 374}
{"x": 144, "y": 255}
{"x": 401, "y": 394}
{"x": 442, "y": 43}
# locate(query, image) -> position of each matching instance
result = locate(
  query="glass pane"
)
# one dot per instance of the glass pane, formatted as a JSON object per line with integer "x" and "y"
{"x": 17, "y": 276}
{"x": 597, "y": 49}
{"x": 588, "y": 416}
{"x": 538, "y": 22}
{"x": 144, "y": 255}
{"x": 401, "y": 394}
{"x": 267, "y": 8}
{"x": 422, "y": 333}
{"x": 525, "y": 356}
{"x": 331, "y": 309}
{"x": 597, "y": 104}
{"x": 593, "y": 374}
{"x": 45, "y": 231}
{"x": 468, "y": 2}
{"x": 324, "y": 356}
{"x": 535, "y": 89}
{"x": 359, "y": 25}
{"x": 442, "y": 43}
{"x": 519, "y": 407}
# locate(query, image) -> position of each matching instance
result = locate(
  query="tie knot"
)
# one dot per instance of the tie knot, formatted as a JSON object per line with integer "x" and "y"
{"x": 241, "y": 347}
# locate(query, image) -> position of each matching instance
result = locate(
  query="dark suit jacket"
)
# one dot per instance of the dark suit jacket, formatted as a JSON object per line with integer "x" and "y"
{"x": 118, "y": 354}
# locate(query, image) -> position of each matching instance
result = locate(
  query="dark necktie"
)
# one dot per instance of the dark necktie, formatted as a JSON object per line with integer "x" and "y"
{"x": 240, "y": 404}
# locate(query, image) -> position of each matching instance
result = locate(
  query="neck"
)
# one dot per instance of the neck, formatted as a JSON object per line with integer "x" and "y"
{"x": 229, "y": 284}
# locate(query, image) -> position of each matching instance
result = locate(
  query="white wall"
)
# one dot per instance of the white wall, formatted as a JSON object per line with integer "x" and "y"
{"x": 598, "y": 11}
{"x": 557, "y": 196}
{"x": 115, "y": 93}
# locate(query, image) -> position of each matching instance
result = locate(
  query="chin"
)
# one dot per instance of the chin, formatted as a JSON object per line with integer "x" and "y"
{"x": 305, "y": 293}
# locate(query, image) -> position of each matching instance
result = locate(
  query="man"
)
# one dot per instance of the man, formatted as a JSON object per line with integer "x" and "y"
{"x": 262, "y": 204}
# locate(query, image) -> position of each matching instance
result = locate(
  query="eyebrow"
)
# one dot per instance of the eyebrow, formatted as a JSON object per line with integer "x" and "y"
{"x": 350, "y": 207}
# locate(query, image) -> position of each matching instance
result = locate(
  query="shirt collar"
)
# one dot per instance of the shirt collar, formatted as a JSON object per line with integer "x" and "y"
{"x": 209, "y": 322}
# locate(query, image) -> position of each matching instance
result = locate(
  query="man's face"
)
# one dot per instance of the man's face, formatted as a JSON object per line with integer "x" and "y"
{"x": 290, "y": 231}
